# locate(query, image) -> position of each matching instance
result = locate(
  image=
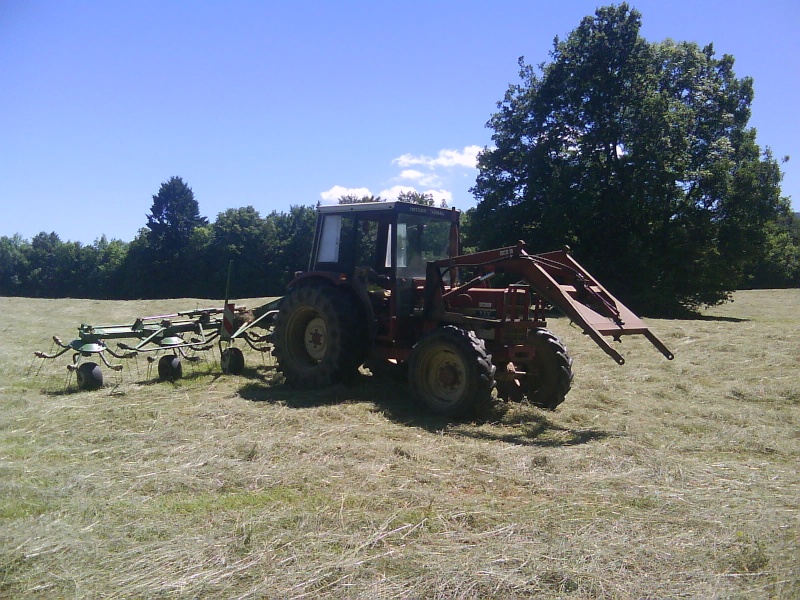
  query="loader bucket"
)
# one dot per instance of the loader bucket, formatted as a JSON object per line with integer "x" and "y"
{"x": 561, "y": 281}
{"x": 567, "y": 285}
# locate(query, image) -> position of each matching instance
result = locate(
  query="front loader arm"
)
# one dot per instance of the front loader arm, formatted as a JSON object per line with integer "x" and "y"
{"x": 560, "y": 280}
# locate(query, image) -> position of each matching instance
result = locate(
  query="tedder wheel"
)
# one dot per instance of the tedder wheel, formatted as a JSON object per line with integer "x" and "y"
{"x": 169, "y": 368}
{"x": 450, "y": 371}
{"x": 320, "y": 336}
{"x": 90, "y": 376}
{"x": 232, "y": 361}
{"x": 549, "y": 377}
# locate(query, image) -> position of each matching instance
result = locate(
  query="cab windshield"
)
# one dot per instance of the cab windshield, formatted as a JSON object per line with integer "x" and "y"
{"x": 420, "y": 240}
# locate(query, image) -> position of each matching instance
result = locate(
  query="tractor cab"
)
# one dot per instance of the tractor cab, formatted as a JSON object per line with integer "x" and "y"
{"x": 390, "y": 239}
{"x": 381, "y": 250}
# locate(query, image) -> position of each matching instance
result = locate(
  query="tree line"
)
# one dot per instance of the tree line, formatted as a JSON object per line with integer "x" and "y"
{"x": 177, "y": 254}
{"x": 637, "y": 155}
{"x": 180, "y": 254}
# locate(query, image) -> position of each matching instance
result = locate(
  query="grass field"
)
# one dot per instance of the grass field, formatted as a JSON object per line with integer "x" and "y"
{"x": 656, "y": 479}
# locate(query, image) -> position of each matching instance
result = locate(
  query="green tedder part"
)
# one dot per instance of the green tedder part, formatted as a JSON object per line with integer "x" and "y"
{"x": 173, "y": 334}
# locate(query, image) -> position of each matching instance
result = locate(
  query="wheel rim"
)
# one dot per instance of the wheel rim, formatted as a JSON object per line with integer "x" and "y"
{"x": 446, "y": 376}
{"x": 315, "y": 338}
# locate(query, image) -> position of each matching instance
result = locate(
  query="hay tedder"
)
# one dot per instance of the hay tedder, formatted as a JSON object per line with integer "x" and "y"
{"x": 168, "y": 338}
{"x": 388, "y": 288}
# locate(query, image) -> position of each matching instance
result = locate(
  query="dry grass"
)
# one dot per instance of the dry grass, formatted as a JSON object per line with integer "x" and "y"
{"x": 656, "y": 479}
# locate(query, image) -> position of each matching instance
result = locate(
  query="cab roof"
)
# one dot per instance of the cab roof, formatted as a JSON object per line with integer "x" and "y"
{"x": 449, "y": 214}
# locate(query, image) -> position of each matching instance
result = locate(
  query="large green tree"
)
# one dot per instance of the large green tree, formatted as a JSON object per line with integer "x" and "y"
{"x": 108, "y": 257}
{"x": 290, "y": 237}
{"x": 168, "y": 248}
{"x": 13, "y": 265}
{"x": 779, "y": 266}
{"x": 240, "y": 235}
{"x": 46, "y": 277}
{"x": 173, "y": 216}
{"x": 638, "y": 155}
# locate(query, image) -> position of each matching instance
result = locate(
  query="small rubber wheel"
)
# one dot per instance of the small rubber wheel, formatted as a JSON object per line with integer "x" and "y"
{"x": 232, "y": 361}
{"x": 170, "y": 368}
{"x": 90, "y": 376}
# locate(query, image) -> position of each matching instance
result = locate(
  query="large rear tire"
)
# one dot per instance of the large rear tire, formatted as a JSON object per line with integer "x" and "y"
{"x": 320, "y": 336}
{"x": 450, "y": 371}
{"x": 548, "y": 378}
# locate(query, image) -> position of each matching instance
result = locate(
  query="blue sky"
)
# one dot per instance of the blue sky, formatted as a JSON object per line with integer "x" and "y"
{"x": 273, "y": 104}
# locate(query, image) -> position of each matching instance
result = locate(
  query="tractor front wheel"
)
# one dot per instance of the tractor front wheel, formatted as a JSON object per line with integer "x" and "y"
{"x": 320, "y": 336}
{"x": 450, "y": 371}
{"x": 549, "y": 377}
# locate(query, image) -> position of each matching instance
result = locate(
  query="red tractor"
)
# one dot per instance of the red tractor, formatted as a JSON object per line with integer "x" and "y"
{"x": 388, "y": 287}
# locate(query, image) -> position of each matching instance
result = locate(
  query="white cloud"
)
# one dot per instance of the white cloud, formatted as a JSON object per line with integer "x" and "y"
{"x": 467, "y": 158}
{"x": 432, "y": 176}
{"x": 438, "y": 195}
{"x": 332, "y": 195}
{"x": 396, "y": 190}
{"x": 411, "y": 174}
{"x": 424, "y": 179}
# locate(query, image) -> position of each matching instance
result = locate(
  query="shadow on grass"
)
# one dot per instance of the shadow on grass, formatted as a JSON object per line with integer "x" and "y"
{"x": 696, "y": 317}
{"x": 688, "y": 314}
{"x": 538, "y": 431}
{"x": 111, "y": 386}
{"x": 521, "y": 425}
{"x": 266, "y": 390}
{"x": 527, "y": 426}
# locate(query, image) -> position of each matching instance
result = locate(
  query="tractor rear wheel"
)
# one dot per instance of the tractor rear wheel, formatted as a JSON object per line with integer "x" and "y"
{"x": 548, "y": 377}
{"x": 89, "y": 376}
{"x": 450, "y": 371}
{"x": 320, "y": 336}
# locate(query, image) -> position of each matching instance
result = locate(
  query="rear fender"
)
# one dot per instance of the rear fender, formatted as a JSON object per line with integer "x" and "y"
{"x": 310, "y": 277}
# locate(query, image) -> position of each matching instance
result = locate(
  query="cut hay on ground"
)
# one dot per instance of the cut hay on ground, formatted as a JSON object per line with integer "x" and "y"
{"x": 657, "y": 479}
